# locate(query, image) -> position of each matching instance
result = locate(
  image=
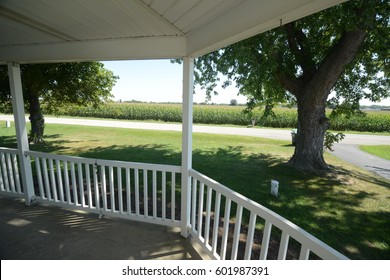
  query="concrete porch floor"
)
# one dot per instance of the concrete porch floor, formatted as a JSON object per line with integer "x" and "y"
{"x": 50, "y": 233}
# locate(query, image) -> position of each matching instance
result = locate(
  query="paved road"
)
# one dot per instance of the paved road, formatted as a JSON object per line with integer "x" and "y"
{"x": 347, "y": 151}
{"x": 355, "y": 139}
{"x": 352, "y": 154}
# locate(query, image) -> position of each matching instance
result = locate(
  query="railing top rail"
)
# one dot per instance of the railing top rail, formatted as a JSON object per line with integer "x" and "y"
{"x": 123, "y": 164}
{"x": 9, "y": 151}
{"x": 316, "y": 246}
{"x": 60, "y": 157}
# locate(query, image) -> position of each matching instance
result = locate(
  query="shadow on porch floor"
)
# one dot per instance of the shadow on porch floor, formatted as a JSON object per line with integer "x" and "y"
{"x": 50, "y": 233}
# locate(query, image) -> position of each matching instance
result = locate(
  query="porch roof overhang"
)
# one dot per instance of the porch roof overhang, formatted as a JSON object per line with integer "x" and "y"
{"x": 39, "y": 31}
{"x": 44, "y": 31}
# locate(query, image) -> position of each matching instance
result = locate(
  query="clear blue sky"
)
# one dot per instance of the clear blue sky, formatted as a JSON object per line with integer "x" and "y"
{"x": 161, "y": 81}
{"x": 158, "y": 81}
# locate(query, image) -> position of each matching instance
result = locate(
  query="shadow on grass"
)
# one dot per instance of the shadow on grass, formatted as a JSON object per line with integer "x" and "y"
{"x": 331, "y": 208}
{"x": 324, "y": 204}
{"x": 48, "y": 146}
{"x": 158, "y": 154}
{"x": 51, "y": 143}
{"x": 8, "y": 142}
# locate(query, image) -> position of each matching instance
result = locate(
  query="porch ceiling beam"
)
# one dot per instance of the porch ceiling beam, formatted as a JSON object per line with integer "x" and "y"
{"x": 114, "y": 49}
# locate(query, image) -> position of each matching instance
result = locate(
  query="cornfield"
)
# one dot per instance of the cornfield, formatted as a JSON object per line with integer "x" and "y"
{"x": 373, "y": 121}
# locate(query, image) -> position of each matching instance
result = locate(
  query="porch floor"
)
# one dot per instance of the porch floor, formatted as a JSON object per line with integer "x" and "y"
{"x": 50, "y": 233}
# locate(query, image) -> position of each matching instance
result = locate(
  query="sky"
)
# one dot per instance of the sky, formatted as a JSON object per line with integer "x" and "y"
{"x": 158, "y": 81}
{"x": 161, "y": 81}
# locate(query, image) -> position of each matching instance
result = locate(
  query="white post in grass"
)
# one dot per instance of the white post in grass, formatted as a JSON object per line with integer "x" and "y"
{"x": 186, "y": 156}
{"x": 15, "y": 82}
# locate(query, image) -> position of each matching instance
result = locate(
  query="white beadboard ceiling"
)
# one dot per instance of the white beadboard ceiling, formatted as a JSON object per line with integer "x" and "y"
{"x": 34, "y": 31}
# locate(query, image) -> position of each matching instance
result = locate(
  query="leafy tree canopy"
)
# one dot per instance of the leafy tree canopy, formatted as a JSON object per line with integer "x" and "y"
{"x": 59, "y": 84}
{"x": 344, "y": 49}
{"x": 63, "y": 83}
{"x": 268, "y": 67}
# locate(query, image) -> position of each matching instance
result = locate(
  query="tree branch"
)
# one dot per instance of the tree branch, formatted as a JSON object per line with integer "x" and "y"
{"x": 338, "y": 58}
{"x": 291, "y": 39}
{"x": 300, "y": 48}
{"x": 292, "y": 85}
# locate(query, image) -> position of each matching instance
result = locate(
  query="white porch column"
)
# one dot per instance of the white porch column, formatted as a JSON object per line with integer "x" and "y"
{"x": 15, "y": 82}
{"x": 186, "y": 154}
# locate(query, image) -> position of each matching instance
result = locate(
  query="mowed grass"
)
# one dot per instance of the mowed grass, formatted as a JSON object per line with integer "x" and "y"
{"x": 382, "y": 151}
{"x": 347, "y": 208}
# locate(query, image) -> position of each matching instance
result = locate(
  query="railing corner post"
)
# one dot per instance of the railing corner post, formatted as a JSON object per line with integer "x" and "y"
{"x": 186, "y": 204}
{"x": 15, "y": 82}
{"x": 186, "y": 158}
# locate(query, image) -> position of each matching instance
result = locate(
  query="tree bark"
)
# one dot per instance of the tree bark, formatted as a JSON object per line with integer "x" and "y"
{"x": 312, "y": 92}
{"x": 36, "y": 118}
{"x": 312, "y": 125}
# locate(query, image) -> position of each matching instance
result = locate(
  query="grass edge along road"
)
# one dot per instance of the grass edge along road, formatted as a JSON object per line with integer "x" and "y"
{"x": 347, "y": 209}
{"x": 382, "y": 151}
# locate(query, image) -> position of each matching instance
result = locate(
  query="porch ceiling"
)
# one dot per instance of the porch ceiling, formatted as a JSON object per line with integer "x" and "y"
{"x": 57, "y": 30}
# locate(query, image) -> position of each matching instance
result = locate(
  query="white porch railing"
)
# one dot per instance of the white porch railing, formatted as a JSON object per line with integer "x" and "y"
{"x": 215, "y": 230}
{"x": 9, "y": 173}
{"x": 151, "y": 193}
{"x": 136, "y": 191}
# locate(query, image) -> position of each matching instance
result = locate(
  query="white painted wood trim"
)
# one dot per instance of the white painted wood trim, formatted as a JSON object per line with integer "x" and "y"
{"x": 15, "y": 82}
{"x": 186, "y": 157}
{"x": 113, "y": 49}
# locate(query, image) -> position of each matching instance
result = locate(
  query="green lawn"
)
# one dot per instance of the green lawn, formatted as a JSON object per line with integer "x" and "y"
{"x": 347, "y": 208}
{"x": 382, "y": 151}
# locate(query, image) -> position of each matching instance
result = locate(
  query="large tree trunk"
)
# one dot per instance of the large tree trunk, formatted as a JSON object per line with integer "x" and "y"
{"x": 36, "y": 118}
{"x": 312, "y": 125}
{"x": 312, "y": 90}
